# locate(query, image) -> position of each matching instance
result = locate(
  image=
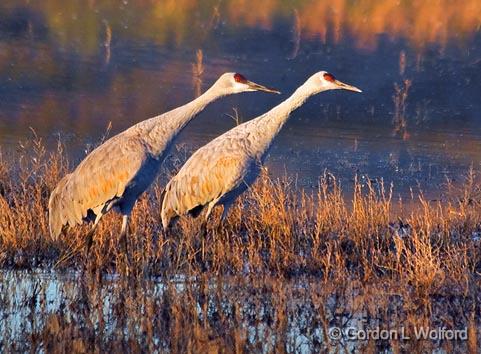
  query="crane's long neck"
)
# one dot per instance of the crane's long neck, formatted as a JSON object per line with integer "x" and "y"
{"x": 269, "y": 125}
{"x": 167, "y": 126}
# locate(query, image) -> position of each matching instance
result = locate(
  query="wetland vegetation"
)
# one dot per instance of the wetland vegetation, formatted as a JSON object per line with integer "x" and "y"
{"x": 367, "y": 215}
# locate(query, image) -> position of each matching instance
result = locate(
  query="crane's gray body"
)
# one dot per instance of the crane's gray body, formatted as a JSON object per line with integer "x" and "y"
{"x": 216, "y": 174}
{"x": 117, "y": 172}
{"x": 223, "y": 169}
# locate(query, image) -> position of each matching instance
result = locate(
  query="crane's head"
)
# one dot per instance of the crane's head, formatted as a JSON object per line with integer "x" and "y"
{"x": 237, "y": 83}
{"x": 323, "y": 81}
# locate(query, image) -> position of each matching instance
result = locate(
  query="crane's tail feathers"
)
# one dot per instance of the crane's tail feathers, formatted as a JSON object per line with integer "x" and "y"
{"x": 165, "y": 214}
{"x": 56, "y": 220}
{"x": 165, "y": 222}
{"x": 168, "y": 215}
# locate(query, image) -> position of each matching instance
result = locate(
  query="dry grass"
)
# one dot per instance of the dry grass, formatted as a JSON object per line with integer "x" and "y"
{"x": 351, "y": 256}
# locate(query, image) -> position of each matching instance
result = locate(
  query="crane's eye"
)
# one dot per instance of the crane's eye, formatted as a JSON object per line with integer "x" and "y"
{"x": 329, "y": 77}
{"x": 240, "y": 78}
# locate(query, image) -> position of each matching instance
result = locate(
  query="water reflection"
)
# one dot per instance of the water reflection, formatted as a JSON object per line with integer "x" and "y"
{"x": 70, "y": 68}
{"x": 65, "y": 312}
{"x": 86, "y": 24}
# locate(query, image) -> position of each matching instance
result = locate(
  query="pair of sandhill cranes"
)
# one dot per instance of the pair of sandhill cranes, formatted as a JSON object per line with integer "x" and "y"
{"x": 117, "y": 172}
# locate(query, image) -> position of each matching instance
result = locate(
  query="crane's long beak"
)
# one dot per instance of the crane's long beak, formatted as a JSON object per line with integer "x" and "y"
{"x": 258, "y": 87}
{"x": 344, "y": 86}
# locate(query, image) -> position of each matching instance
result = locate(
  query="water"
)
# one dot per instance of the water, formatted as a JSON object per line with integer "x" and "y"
{"x": 45, "y": 310}
{"x": 68, "y": 69}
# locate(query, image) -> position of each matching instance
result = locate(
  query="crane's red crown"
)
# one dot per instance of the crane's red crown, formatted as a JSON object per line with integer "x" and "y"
{"x": 240, "y": 78}
{"x": 329, "y": 77}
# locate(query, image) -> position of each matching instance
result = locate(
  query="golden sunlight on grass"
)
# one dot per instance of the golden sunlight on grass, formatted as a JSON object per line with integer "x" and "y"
{"x": 350, "y": 256}
{"x": 276, "y": 228}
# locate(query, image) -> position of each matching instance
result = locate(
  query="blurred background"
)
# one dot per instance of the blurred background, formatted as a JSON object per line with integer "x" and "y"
{"x": 70, "y": 68}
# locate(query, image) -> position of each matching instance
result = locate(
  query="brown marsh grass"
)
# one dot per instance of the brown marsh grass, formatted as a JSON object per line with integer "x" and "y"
{"x": 283, "y": 257}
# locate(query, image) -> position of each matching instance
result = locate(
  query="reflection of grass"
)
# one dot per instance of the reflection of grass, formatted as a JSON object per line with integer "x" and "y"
{"x": 399, "y": 120}
{"x": 197, "y": 71}
{"x": 212, "y": 314}
{"x": 107, "y": 42}
{"x": 296, "y": 35}
{"x": 402, "y": 62}
{"x": 274, "y": 233}
{"x": 79, "y": 26}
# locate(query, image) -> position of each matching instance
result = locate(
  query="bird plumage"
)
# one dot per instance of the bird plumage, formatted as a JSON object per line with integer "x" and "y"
{"x": 98, "y": 182}
{"x": 117, "y": 172}
{"x": 223, "y": 169}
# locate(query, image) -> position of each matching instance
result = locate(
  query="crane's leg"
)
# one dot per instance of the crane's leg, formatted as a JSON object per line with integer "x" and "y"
{"x": 225, "y": 211}
{"x": 89, "y": 240}
{"x": 203, "y": 235}
{"x": 125, "y": 223}
{"x": 203, "y": 226}
{"x": 209, "y": 210}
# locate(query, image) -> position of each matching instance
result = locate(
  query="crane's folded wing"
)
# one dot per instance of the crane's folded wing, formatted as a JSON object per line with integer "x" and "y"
{"x": 206, "y": 177}
{"x": 102, "y": 176}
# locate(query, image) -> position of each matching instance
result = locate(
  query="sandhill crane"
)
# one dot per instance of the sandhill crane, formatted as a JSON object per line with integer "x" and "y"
{"x": 117, "y": 172}
{"x": 220, "y": 171}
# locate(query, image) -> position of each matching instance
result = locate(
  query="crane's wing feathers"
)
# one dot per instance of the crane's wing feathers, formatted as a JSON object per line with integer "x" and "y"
{"x": 101, "y": 177}
{"x": 210, "y": 173}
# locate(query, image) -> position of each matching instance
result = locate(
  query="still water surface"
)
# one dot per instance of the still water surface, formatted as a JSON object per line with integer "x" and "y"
{"x": 69, "y": 68}
{"x": 44, "y": 310}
